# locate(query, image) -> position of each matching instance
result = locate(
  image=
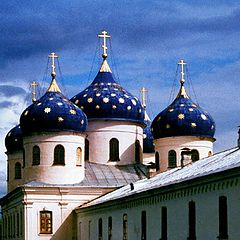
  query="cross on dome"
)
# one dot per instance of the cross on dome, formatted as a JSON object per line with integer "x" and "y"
{"x": 182, "y": 63}
{"x": 104, "y": 46}
{"x": 143, "y": 95}
{"x": 34, "y": 86}
{"x": 53, "y": 56}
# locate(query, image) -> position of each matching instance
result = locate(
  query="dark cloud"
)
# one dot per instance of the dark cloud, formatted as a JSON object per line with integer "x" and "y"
{"x": 10, "y": 91}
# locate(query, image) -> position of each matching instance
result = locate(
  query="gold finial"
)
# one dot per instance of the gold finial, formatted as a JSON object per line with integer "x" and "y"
{"x": 182, "y": 63}
{"x": 53, "y": 86}
{"x": 34, "y": 86}
{"x": 143, "y": 91}
{"x": 53, "y": 56}
{"x": 104, "y": 46}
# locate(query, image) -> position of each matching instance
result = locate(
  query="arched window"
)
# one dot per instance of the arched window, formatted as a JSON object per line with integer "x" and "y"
{"x": 172, "y": 159}
{"x": 137, "y": 151}
{"x": 157, "y": 161}
{"x": 114, "y": 150}
{"x": 209, "y": 154}
{"x": 36, "y": 155}
{"x": 86, "y": 157}
{"x": 18, "y": 170}
{"x": 59, "y": 155}
{"x": 194, "y": 155}
{"x": 109, "y": 228}
{"x": 100, "y": 229}
{"x": 125, "y": 227}
{"x": 79, "y": 157}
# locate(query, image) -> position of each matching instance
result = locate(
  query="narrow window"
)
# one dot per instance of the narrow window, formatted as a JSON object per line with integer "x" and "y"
{"x": 7, "y": 172}
{"x": 86, "y": 157}
{"x": 18, "y": 224}
{"x": 144, "y": 226}
{"x": 59, "y": 155}
{"x": 18, "y": 170}
{"x": 209, "y": 154}
{"x": 21, "y": 223}
{"x": 100, "y": 229}
{"x": 194, "y": 155}
{"x": 157, "y": 161}
{"x": 89, "y": 230}
{"x": 172, "y": 159}
{"x": 192, "y": 220}
{"x": 137, "y": 151}
{"x": 164, "y": 224}
{"x": 79, "y": 157}
{"x": 110, "y": 228}
{"x": 223, "y": 218}
{"x": 45, "y": 222}
{"x": 125, "y": 227}
{"x": 36, "y": 155}
{"x": 80, "y": 231}
{"x": 114, "y": 150}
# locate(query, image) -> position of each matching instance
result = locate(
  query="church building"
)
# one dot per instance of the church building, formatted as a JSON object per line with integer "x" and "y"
{"x": 96, "y": 167}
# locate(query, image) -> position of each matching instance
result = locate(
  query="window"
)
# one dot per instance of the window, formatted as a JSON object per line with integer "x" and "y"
{"x": 144, "y": 226}
{"x": 114, "y": 150}
{"x": 18, "y": 224}
{"x": 172, "y": 159}
{"x": 36, "y": 155}
{"x": 137, "y": 151}
{"x": 192, "y": 220}
{"x": 86, "y": 157}
{"x": 59, "y": 155}
{"x": 110, "y": 228}
{"x": 7, "y": 172}
{"x": 209, "y": 154}
{"x": 164, "y": 224}
{"x": 125, "y": 227}
{"x": 223, "y": 218}
{"x": 194, "y": 155}
{"x": 18, "y": 170}
{"x": 157, "y": 161}
{"x": 100, "y": 229}
{"x": 45, "y": 222}
{"x": 79, "y": 157}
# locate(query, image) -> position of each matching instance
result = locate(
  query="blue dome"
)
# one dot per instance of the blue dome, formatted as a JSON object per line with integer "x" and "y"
{"x": 148, "y": 146}
{"x": 107, "y": 100}
{"x": 53, "y": 112}
{"x": 13, "y": 139}
{"x": 183, "y": 118}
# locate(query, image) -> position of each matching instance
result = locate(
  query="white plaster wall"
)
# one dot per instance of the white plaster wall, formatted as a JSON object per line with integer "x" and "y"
{"x": 12, "y": 159}
{"x": 177, "y": 211}
{"x": 47, "y": 172}
{"x": 164, "y": 145}
{"x": 99, "y": 134}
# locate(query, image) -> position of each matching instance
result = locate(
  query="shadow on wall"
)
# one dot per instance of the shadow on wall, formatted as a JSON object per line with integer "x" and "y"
{"x": 67, "y": 230}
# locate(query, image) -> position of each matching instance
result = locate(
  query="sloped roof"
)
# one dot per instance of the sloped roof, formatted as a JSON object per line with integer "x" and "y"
{"x": 220, "y": 162}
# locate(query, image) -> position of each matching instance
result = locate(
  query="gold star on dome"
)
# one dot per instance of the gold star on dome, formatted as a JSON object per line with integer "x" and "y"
{"x": 212, "y": 127}
{"x": 140, "y": 110}
{"x": 39, "y": 104}
{"x": 121, "y": 100}
{"x": 9, "y": 134}
{"x": 77, "y": 101}
{"x": 190, "y": 109}
{"x": 82, "y": 107}
{"x": 59, "y": 104}
{"x": 168, "y": 126}
{"x": 129, "y": 108}
{"x": 193, "y": 125}
{"x": 82, "y": 122}
{"x": 105, "y": 100}
{"x": 134, "y": 102}
{"x": 159, "y": 118}
{"x": 181, "y": 105}
{"x": 26, "y": 113}
{"x": 194, "y": 105}
{"x": 109, "y": 84}
{"x": 144, "y": 136}
{"x": 114, "y": 106}
{"x": 90, "y": 100}
{"x": 60, "y": 119}
{"x": 72, "y": 111}
{"x": 95, "y": 84}
{"x": 84, "y": 95}
{"x": 126, "y": 95}
{"x": 113, "y": 94}
{"x": 47, "y": 110}
{"x": 171, "y": 110}
{"x": 51, "y": 98}
{"x": 98, "y": 94}
{"x": 97, "y": 107}
{"x": 181, "y": 116}
{"x": 203, "y": 117}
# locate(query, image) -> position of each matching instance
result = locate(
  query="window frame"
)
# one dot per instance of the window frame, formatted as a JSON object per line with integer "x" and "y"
{"x": 45, "y": 220}
{"x": 59, "y": 155}
{"x": 172, "y": 159}
{"x": 36, "y": 155}
{"x": 79, "y": 156}
{"x": 191, "y": 220}
{"x": 18, "y": 171}
{"x": 223, "y": 217}
{"x": 195, "y": 155}
{"x": 114, "y": 150}
{"x": 144, "y": 225}
{"x": 157, "y": 161}
{"x": 125, "y": 226}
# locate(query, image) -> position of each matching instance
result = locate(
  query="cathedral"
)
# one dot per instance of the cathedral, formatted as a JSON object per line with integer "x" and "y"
{"x": 95, "y": 167}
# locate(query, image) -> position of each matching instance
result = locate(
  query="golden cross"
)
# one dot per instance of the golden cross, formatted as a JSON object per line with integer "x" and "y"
{"x": 34, "y": 85}
{"x": 104, "y": 46}
{"x": 53, "y": 56}
{"x": 143, "y": 95}
{"x": 182, "y": 63}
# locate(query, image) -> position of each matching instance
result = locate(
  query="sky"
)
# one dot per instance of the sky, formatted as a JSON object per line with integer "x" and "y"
{"x": 148, "y": 38}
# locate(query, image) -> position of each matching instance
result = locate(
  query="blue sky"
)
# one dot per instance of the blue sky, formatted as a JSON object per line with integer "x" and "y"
{"x": 148, "y": 39}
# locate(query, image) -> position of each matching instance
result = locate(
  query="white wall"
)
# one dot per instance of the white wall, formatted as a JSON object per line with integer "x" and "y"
{"x": 99, "y": 133}
{"x": 164, "y": 145}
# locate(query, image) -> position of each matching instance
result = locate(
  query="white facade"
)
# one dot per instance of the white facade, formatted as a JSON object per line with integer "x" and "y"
{"x": 203, "y": 145}
{"x": 73, "y": 169}
{"x": 99, "y": 134}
